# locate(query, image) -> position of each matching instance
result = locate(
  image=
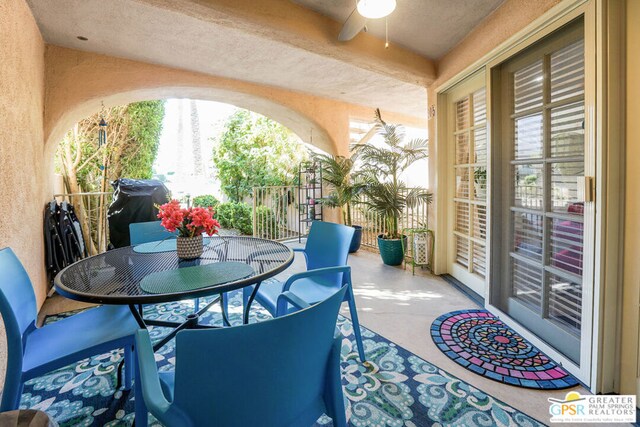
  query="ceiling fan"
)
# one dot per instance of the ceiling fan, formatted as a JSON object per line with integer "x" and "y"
{"x": 365, "y": 9}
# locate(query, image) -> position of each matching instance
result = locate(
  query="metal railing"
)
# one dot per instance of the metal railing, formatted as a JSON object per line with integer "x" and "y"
{"x": 91, "y": 209}
{"x": 532, "y": 196}
{"x": 275, "y": 216}
{"x": 276, "y": 212}
{"x": 529, "y": 196}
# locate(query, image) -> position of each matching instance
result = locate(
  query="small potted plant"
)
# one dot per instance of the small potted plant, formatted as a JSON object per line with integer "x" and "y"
{"x": 311, "y": 209}
{"x": 338, "y": 172}
{"x": 386, "y": 194}
{"x": 190, "y": 224}
{"x": 480, "y": 179}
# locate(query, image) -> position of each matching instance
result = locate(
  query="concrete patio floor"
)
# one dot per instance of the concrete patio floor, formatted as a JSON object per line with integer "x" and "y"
{"x": 401, "y": 307}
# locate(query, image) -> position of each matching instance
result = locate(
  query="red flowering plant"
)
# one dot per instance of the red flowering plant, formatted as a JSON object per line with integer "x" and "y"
{"x": 188, "y": 222}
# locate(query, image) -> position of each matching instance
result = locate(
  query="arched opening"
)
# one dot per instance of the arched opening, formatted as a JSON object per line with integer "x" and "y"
{"x": 173, "y": 141}
{"x": 299, "y": 123}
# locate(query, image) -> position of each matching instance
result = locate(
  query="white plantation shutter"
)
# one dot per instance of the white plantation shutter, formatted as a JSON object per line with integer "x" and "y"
{"x": 527, "y": 283}
{"x": 565, "y": 302}
{"x": 567, "y": 72}
{"x": 527, "y": 87}
{"x": 567, "y": 130}
{"x": 470, "y": 201}
{"x": 462, "y": 251}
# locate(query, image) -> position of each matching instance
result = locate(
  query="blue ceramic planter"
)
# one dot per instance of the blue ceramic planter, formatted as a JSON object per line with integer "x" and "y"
{"x": 392, "y": 250}
{"x": 357, "y": 239}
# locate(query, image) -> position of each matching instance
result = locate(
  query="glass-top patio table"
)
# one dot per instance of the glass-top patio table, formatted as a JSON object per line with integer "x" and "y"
{"x": 153, "y": 273}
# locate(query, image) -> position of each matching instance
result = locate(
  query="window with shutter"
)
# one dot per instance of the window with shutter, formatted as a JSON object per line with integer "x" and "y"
{"x": 470, "y": 198}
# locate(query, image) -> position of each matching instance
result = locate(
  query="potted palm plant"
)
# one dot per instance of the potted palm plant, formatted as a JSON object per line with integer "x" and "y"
{"x": 385, "y": 193}
{"x": 337, "y": 171}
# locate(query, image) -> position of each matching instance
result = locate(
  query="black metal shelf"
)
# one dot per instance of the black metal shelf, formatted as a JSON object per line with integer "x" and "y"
{"x": 309, "y": 188}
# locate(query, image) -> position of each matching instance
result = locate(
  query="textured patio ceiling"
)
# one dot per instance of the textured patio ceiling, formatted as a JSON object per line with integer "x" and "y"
{"x": 269, "y": 42}
{"x": 428, "y": 27}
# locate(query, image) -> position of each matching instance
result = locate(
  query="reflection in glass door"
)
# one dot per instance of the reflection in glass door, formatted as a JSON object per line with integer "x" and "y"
{"x": 545, "y": 210}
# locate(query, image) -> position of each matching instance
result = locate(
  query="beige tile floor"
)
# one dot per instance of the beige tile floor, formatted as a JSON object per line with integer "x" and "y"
{"x": 401, "y": 307}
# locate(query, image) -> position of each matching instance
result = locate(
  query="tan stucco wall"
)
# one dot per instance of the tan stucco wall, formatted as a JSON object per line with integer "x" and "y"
{"x": 631, "y": 280}
{"x": 296, "y": 25}
{"x": 23, "y": 181}
{"x": 511, "y": 17}
{"x": 76, "y": 83}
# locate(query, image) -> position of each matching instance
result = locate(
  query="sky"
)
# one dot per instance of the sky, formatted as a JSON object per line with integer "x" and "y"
{"x": 175, "y": 159}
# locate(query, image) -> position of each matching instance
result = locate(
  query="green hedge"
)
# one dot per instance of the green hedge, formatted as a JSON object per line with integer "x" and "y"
{"x": 205, "y": 201}
{"x": 235, "y": 215}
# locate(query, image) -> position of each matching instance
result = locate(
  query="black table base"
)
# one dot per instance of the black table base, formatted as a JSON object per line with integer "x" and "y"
{"x": 191, "y": 322}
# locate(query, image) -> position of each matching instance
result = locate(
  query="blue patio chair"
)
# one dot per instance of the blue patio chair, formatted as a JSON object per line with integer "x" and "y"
{"x": 34, "y": 351}
{"x": 145, "y": 232}
{"x": 326, "y": 251}
{"x": 276, "y": 373}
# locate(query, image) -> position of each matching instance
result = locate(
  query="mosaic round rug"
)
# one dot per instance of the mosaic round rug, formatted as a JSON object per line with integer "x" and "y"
{"x": 479, "y": 341}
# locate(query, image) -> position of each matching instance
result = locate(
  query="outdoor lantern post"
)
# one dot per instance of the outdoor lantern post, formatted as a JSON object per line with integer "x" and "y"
{"x": 102, "y": 133}
{"x": 102, "y": 129}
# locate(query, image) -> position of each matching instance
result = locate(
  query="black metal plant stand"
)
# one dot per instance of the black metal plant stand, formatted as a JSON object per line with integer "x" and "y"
{"x": 309, "y": 196}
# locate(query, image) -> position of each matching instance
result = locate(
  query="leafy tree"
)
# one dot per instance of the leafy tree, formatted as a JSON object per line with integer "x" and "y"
{"x": 255, "y": 151}
{"x": 133, "y": 135}
{"x": 141, "y": 147}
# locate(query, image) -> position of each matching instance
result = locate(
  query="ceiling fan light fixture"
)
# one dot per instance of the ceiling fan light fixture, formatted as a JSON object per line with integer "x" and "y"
{"x": 375, "y": 9}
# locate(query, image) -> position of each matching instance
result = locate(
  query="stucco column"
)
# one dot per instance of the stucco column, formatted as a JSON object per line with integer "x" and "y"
{"x": 434, "y": 174}
{"x": 24, "y": 184}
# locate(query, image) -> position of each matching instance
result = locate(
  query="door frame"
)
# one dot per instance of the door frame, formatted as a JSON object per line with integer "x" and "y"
{"x": 604, "y": 32}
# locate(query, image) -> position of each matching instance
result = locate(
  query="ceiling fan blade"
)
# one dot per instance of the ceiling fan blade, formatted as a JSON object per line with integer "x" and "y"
{"x": 353, "y": 25}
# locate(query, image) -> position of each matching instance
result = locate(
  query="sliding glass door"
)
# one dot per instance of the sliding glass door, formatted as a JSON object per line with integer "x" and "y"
{"x": 544, "y": 190}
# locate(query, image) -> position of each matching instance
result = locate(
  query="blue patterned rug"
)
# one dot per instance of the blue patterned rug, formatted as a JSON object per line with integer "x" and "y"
{"x": 482, "y": 343}
{"x": 395, "y": 389}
